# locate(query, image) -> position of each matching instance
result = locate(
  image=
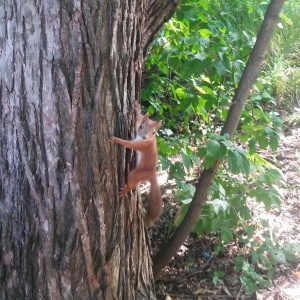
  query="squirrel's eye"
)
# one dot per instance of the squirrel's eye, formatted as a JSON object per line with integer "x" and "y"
{"x": 141, "y": 126}
{"x": 154, "y": 132}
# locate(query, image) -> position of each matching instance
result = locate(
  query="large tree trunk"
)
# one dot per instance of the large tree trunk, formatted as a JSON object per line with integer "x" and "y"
{"x": 70, "y": 71}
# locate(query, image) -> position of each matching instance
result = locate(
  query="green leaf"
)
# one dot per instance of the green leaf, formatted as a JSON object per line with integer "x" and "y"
{"x": 241, "y": 150}
{"x": 222, "y": 151}
{"x": 187, "y": 161}
{"x": 268, "y": 130}
{"x": 252, "y": 146}
{"x": 249, "y": 229}
{"x": 184, "y": 104}
{"x": 186, "y": 201}
{"x": 216, "y": 224}
{"x": 220, "y": 67}
{"x": 176, "y": 171}
{"x": 203, "y": 112}
{"x": 174, "y": 62}
{"x": 195, "y": 159}
{"x": 226, "y": 234}
{"x": 255, "y": 97}
{"x": 273, "y": 174}
{"x": 205, "y": 32}
{"x": 180, "y": 15}
{"x": 219, "y": 205}
{"x": 286, "y": 19}
{"x": 195, "y": 68}
{"x": 200, "y": 56}
{"x": 150, "y": 110}
{"x": 237, "y": 77}
{"x": 277, "y": 256}
{"x": 212, "y": 148}
{"x": 165, "y": 163}
{"x": 208, "y": 162}
{"x": 274, "y": 142}
{"x": 201, "y": 152}
{"x": 185, "y": 192}
{"x": 180, "y": 92}
{"x": 277, "y": 121}
{"x": 245, "y": 213}
{"x": 234, "y": 159}
{"x": 262, "y": 195}
{"x": 217, "y": 277}
{"x": 245, "y": 165}
{"x": 164, "y": 68}
{"x": 266, "y": 95}
{"x": 265, "y": 223}
{"x": 263, "y": 141}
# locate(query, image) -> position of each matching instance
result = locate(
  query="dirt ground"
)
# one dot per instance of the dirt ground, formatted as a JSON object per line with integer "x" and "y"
{"x": 190, "y": 273}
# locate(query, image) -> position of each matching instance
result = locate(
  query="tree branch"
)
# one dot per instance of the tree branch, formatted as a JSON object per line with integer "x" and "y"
{"x": 248, "y": 78}
{"x": 157, "y": 15}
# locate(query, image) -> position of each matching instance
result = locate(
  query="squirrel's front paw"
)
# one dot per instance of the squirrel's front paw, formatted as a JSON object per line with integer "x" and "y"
{"x": 137, "y": 106}
{"x": 114, "y": 140}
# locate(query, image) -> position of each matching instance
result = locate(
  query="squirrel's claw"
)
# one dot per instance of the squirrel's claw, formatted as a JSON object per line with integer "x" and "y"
{"x": 122, "y": 192}
{"x": 114, "y": 140}
{"x": 137, "y": 106}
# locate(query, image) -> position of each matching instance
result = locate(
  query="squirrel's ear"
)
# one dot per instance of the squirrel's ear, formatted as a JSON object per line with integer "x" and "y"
{"x": 146, "y": 117}
{"x": 158, "y": 124}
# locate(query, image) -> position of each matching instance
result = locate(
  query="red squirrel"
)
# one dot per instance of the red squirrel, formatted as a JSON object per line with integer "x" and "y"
{"x": 146, "y": 147}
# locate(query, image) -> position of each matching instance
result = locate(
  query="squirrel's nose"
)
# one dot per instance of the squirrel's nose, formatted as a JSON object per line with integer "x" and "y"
{"x": 144, "y": 137}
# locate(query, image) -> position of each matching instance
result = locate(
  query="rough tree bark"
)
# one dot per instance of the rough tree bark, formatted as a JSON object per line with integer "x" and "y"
{"x": 70, "y": 71}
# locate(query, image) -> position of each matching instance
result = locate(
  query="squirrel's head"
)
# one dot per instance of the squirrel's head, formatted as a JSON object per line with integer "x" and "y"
{"x": 148, "y": 128}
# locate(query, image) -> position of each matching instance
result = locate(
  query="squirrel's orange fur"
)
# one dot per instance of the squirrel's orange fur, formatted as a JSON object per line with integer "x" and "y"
{"x": 145, "y": 146}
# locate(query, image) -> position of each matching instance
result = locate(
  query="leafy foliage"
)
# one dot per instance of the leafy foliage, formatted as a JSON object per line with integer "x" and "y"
{"x": 194, "y": 68}
{"x": 191, "y": 75}
{"x": 218, "y": 277}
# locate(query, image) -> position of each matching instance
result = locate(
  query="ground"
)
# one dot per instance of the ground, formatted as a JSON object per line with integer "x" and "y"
{"x": 190, "y": 274}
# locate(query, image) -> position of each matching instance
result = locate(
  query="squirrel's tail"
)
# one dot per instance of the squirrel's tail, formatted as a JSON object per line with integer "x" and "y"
{"x": 154, "y": 204}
